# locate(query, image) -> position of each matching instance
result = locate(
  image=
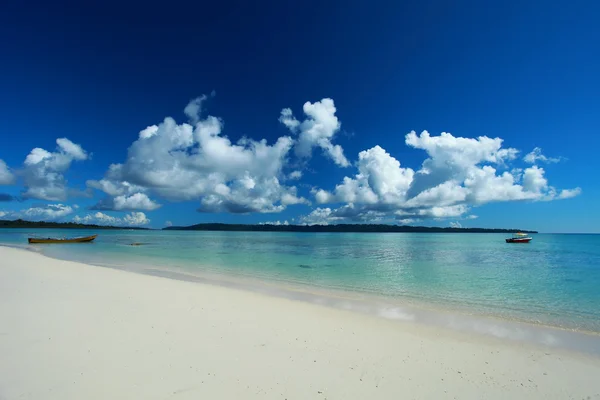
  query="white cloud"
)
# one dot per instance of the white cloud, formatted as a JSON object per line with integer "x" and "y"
{"x": 6, "y": 177}
{"x": 451, "y": 158}
{"x": 99, "y": 218}
{"x": 459, "y": 151}
{"x": 323, "y": 196}
{"x": 247, "y": 195}
{"x": 194, "y": 108}
{"x": 287, "y": 118}
{"x": 43, "y": 172}
{"x": 317, "y": 130}
{"x": 442, "y": 212}
{"x": 194, "y": 161}
{"x": 148, "y": 132}
{"x": 380, "y": 179}
{"x": 568, "y": 193}
{"x": 485, "y": 186}
{"x": 291, "y": 198}
{"x": 344, "y": 214}
{"x": 445, "y": 194}
{"x": 71, "y": 149}
{"x": 295, "y": 175}
{"x": 136, "y": 201}
{"x": 136, "y": 219}
{"x": 36, "y": 156}
{"x": 320, "y": 216}
{"x": 115, "y": 188}
{"x": 277, "y": 223}
{"x": 534, "y": 180}
{"x": 458, "y": 174}
{"x": 455, "y": 224}
{"x": 168, "y": 223}
{"x": 536, "y": 155}
{"x": 48, "y": 212}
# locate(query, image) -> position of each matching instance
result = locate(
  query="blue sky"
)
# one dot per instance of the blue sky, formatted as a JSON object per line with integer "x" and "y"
{"x": 369, "y": 74}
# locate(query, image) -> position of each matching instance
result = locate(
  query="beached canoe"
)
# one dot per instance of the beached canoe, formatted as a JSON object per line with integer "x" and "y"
{"x": 84, "y": 239}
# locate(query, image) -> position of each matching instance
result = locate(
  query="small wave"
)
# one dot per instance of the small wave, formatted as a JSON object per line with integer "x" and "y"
{"x": 396, "y": 314}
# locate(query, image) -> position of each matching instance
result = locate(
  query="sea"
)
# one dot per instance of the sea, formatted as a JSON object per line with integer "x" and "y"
{"x": 545, "y": 291}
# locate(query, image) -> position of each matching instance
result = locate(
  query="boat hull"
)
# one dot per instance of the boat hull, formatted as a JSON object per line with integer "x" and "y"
{"x": 518, "y": 240}
{"x": 85, "y": 239}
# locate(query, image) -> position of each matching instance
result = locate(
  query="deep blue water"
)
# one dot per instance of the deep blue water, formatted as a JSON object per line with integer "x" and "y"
{"x": 553, "y": 280}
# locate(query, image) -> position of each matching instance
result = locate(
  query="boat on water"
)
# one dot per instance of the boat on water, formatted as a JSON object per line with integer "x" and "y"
{"x": 519, "y": 238}
{"x": 84, "y": 239}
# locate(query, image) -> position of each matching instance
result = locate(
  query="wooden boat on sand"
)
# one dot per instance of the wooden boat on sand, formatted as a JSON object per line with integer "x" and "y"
{"x": 84, "y": 239}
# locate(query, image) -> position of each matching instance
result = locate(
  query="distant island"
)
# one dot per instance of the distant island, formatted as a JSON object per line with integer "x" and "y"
{"x": 354, "y": 228}
{"x": 19, "y": 223}
{"x": 350, "y": 228}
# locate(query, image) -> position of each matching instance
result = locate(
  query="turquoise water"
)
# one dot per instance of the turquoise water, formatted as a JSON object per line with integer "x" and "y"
{"x": 555, "y": 280}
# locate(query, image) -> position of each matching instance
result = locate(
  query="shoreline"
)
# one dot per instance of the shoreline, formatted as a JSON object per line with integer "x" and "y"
{"x": 401, "y": 308}
{"x": 71, "y": 330}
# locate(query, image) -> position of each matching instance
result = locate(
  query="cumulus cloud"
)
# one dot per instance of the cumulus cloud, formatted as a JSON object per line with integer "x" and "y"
{"x": 43, "y": 171}
{"x": 451, "y": 158}
{"x": 6, "y": 177}
{"x": 380, "y": 179}
{"x": 295, "y": 175}
{"x": 99, "y": 218}
{"x": 455, "y": 224}
{"x": 247, "y": 195}
{"x": 484, "y": 185}
{"x": 568, "y": 193}
{"x": 136, "y": 201}
{"x": 194, "y": 161}
{"x": 136, "y": 219}
{"x": 348, "y": 213}
{"x": 115, "y": 188}
{"x": 276, "y": 223}
{"x": 320, "y": 216}
{"x": 406, "y": 221}
{"x": 287, "y": 118}
{"x": 536, "y": 155}
{"x": 48, "y": 212}
{"x": 317, "y": 130}
{"x": 459, "y": 173}
{"x": 534, "y": 180}
{"x": 71, "y": 149}
{"x": 194, "y": 108}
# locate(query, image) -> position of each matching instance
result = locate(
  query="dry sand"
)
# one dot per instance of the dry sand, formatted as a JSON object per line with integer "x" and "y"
{"x": 73, "y": 331}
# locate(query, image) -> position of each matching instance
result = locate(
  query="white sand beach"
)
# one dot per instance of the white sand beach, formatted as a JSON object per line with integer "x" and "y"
{"x": 73, "y": 331}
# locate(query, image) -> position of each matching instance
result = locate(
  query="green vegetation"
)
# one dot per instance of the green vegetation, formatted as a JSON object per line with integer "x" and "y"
{"x": 356, "y": 228}
{"x": 337, "y": 228}
{"x": 19, "y": 223}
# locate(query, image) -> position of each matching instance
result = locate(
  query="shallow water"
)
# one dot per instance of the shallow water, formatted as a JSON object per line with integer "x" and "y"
{"x": 554, "y": 280}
